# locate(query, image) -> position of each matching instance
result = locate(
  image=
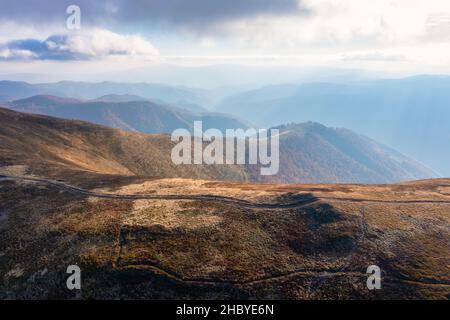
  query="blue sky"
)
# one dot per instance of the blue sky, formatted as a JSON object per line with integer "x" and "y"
{"x": 392, "y": 36}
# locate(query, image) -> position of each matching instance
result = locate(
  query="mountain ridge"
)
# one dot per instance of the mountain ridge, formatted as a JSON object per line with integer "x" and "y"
{"x": 14, "y": 90}
{"x": 143, "y": 116}
{"x": 308, "y": 153}
{"x": 410, "y": 115}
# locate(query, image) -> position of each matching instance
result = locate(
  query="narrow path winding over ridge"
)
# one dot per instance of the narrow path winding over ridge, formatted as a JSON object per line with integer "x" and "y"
{"x": 151, "y": 265}
{"x": 211, "y": 198}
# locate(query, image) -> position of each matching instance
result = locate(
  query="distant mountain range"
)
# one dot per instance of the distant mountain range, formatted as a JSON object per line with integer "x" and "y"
{"x": 13, "y": 90}
{"x": 119, "y": 98}
{"x": 133, "y": 98}
{"x": 134, "y": 115}
{"x": 411, "y": 115}
{"x": 309, "y": 152}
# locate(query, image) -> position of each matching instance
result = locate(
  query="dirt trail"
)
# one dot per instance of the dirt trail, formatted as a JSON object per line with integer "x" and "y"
{"x": 151, "y": 265}
{"x": 211, "y": 198}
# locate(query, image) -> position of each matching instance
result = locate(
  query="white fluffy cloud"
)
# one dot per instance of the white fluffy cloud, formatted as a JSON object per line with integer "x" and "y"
{"x": 8, "y": 54}
{"x": 101, "y": 43}
{"x": 84, "y": 45}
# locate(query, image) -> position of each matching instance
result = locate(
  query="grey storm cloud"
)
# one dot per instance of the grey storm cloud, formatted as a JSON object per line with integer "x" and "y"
{"x": 187, "y": 13}
{"x": 196, "y": 12}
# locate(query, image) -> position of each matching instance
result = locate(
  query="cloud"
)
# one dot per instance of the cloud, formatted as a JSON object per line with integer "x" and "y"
{"x": 437, "y": 28}
{"x": 203, "y": 13}
{"x": 190, "y": 14}
{"x": 372, "y": 34}
{"x": 95, "y": 44}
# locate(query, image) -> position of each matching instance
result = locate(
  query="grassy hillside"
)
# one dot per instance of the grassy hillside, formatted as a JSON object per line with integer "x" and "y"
{"x": 313, "y": 153}
{"x": 49, "y": 145}
{"x": 113, "y": 203}
{"x": 308, "y": 153}
{"x": 194, "y": 248}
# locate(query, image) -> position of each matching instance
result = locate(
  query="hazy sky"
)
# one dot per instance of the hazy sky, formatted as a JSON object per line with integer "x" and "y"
{"x": 404, "y": 36}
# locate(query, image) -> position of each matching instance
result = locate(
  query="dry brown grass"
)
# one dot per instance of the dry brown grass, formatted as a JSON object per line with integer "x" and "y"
{"x": 196, "y": 249}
